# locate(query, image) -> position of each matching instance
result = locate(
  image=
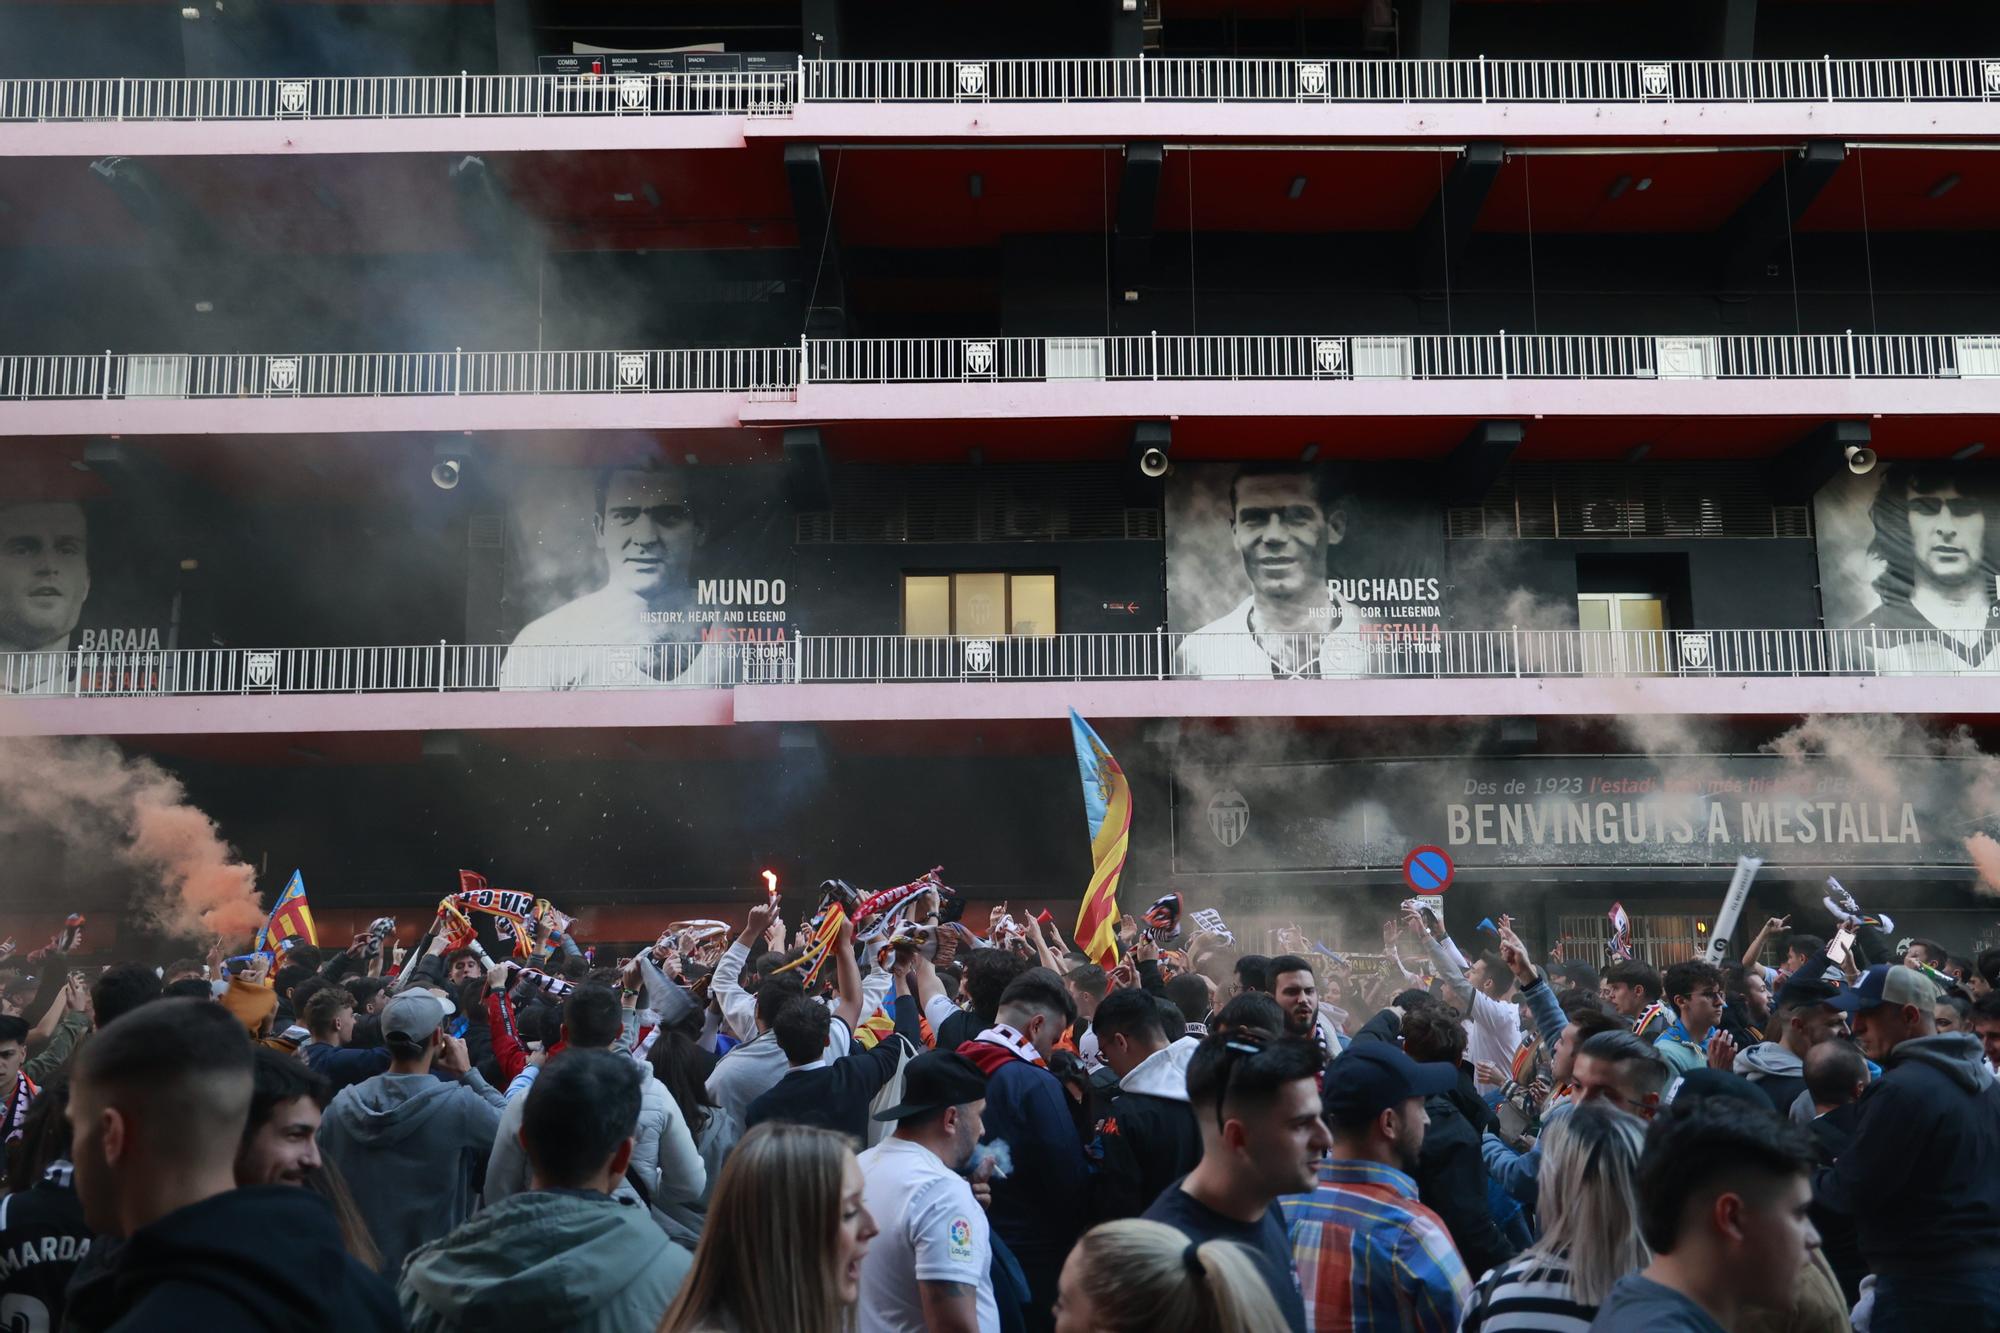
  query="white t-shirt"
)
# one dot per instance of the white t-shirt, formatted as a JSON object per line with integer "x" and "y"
{"x": 932, "y": 1231}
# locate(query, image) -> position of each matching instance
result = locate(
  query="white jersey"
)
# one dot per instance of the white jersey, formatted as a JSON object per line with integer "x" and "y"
{"x": 932, "y": 1231}
{"x": 1226, "y": 649}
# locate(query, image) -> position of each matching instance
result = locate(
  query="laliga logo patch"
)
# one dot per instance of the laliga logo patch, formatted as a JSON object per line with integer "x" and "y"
{"x": 959, "y": 1237}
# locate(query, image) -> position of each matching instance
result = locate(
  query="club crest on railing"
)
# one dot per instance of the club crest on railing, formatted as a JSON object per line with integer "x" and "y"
{"x": 292, "y": 95}
{"x": 971, "y": 79}
{"x": 979, "y": 358}
{"x": 1329, "y": 355}
{"x": 631, "y": 370}
{"x": 633, "y": 93}
{"x": 1312, "y": 78}
{"x": 1655, "y": 80}
{"x": 284, "y": 374}
{"x": 260, "y": 668}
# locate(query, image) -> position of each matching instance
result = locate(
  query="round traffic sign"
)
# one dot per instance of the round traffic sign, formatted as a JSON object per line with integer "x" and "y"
{"x": 1428, "y": 870}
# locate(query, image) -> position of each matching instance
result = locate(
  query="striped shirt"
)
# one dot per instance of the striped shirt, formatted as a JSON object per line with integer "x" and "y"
{"x": 1529, "y": 1295}
{"x": 1370, "y": 1258}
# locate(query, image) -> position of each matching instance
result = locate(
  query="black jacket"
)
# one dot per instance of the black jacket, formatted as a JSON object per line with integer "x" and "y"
{"x": 1831, "y": 1135}
{"x": 1921, "y": 1180}
{"x": 960, "y": 1028}
{"x": 836, "y": 1095}
{"x": 1451, "y": 1181}
{"x": 267, "y": 1256}
{"x": 1147, "y": 1140}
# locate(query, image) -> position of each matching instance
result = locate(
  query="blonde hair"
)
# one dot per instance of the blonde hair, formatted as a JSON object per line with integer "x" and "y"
{"x": 1587, "y": 1204}
{"x": 1147, "y": 1277}
{"x": 767, "y": 1259}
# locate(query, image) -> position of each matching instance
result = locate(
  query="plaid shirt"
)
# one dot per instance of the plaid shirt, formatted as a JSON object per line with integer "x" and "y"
{"x": 1370, "y": 1258}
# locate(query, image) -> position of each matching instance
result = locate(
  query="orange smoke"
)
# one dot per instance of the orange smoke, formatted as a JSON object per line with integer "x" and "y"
{"x": 105, "y": 806}
{"x": 1986, "y": 858}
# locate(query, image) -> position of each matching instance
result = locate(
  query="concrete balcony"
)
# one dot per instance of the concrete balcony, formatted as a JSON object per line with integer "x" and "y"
{"x": 1037, "y": 99}
{"x": 1808, "y": 377}
{"x": 863, "y": 678}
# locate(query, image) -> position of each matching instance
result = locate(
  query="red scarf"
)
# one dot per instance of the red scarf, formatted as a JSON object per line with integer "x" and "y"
{"x": 996, "y": 1046}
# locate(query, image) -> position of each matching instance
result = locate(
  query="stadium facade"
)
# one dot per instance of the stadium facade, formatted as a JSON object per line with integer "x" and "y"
{"x": 622, "y": 453}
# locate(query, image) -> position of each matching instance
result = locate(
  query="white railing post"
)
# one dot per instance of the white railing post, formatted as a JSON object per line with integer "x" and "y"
{"x": 464, "y": 91}
{"x": 105, "y": 392}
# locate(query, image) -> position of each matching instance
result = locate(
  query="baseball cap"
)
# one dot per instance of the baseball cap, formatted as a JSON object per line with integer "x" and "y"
{"x": 1371, "y": 1076}
{"x": 1887, "y": 983}
{"x": 412, "y": 1017}
{"x": 933, "y": 1081}
{"x": 1801, "y": 990}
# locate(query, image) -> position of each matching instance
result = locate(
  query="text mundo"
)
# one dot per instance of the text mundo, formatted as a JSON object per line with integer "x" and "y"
{"x": 739, "y": 592}
{"x": 1638, "y": 823}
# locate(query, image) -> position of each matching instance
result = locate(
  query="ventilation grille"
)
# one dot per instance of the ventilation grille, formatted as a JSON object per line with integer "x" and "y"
{"x": 998, "y": 504}
{"x": 486, "y": 532}
{"x": 1585, "y": 502}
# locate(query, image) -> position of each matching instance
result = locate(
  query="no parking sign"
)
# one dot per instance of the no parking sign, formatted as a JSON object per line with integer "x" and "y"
{"x": 1428, "y": 870}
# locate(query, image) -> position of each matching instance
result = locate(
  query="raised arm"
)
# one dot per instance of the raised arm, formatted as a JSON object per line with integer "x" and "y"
{"x": 847, "y": 973}
{"x": 1541, "y": 997}
{"x": 1756, "y": 949}
{"x": 739, "y": 1007}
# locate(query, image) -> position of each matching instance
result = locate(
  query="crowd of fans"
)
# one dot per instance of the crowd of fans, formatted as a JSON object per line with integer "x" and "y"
{"x": 708, "y": 1136}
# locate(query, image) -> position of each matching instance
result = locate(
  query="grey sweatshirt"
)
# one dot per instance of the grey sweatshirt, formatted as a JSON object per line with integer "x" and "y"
{"x": 410, "y": 1147}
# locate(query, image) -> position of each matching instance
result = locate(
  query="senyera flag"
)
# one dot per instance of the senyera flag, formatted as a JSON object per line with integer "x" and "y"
{"x": 1107, "y": 808}
{"x": 291, "y": 917}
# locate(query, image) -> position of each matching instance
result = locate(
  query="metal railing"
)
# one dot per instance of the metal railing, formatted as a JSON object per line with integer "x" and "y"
{"x": 401, "y": 97}
{"x": 1401, "y": 356}
{"x": 1142, "y": 79}
{"x": 400, "y": 374}
{"x": 873, "y": 659}
{"x": 781, "y": 371}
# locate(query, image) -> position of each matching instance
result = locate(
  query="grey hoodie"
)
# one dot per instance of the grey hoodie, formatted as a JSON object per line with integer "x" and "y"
{"x": 570, "y": 1259}
{"x": 411, "y": 1147}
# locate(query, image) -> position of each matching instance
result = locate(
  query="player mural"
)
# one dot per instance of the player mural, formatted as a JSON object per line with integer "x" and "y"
{"x": 1287, "y": 570}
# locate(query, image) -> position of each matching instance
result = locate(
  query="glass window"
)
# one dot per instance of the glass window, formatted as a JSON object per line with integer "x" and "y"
{"x": 1034, "y": 599}
{"x": 927, "y": 604}
{"x": 980, "y": 605}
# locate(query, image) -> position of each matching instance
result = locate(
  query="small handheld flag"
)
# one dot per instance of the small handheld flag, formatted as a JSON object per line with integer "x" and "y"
{"x": 1621, "y": 933}
{"x": 1107, "y": 810}
{"x": 291, "y": 916}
